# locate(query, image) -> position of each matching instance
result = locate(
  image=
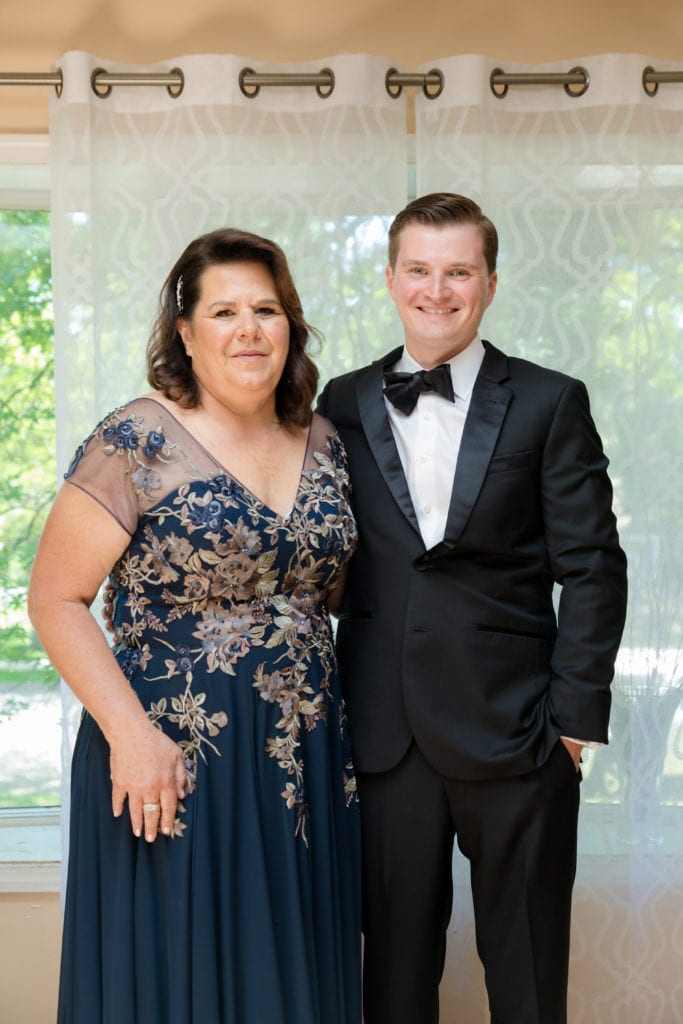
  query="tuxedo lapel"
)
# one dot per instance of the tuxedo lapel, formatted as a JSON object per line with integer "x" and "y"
{"x": 369, "y": 385}
{"x": 488, "y": 406}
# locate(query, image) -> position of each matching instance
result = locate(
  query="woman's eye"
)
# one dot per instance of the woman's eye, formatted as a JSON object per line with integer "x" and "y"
{"x": 267, "y": 311}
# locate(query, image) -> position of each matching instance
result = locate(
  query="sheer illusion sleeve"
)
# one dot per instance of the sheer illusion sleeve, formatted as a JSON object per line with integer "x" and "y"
{"x": 325, "y": 443}
{"x": 101, "y": 467}
{"x": 132, "y": 460}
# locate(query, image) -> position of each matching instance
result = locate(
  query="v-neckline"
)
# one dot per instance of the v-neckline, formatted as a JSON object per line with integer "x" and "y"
{"x": 221, "y": 466}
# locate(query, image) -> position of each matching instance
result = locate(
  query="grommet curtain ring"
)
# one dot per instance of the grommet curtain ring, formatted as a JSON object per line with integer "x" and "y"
{"x": 574, "y": 82}
{"x": 103, "y": 81}
{"x": 251, "y": 82}
{"x": 431, "y": 84}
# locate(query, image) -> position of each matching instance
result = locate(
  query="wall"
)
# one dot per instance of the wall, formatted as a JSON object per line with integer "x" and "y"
{"x": 126, "y": 30}
{"x": 30, "y": 925}
{"x": 143, "y": 33}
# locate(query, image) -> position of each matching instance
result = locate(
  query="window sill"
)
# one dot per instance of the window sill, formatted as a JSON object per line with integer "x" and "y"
{"x": 30, "y": 850}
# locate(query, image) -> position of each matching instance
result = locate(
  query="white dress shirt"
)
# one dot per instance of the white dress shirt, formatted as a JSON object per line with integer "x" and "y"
{"x": 428, "y": 440}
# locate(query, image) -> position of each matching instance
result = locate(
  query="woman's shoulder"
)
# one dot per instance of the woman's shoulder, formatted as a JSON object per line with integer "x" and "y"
{"x": 324, "y": 438}
{"x": 321, "y": 427}
{"x": 137, "y": 454}
{"x": 137, "y": 409}
{"x": 148, "y": 407}
{"x": 322, "y": 433}
{"x": 147, "y": 414}
{"x": 125, "y": 425}
{"x": 142, "y": 425}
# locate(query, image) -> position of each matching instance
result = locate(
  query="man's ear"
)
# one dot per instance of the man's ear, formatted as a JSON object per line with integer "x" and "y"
{"x": 389, "y": 275}
{"x": 493, "y": 283}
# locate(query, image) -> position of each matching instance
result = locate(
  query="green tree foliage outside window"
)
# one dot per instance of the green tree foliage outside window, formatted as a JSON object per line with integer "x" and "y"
{"x": 27, "y": 433}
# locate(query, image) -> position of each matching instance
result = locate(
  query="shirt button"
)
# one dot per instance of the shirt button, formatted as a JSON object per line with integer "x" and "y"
{"x": 424, "y": 458}
{"x": 427, "y": 508}
{"x": 427, "y": 416}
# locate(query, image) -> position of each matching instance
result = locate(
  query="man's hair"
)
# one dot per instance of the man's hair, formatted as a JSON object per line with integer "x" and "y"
{"x": 439, "y": 209}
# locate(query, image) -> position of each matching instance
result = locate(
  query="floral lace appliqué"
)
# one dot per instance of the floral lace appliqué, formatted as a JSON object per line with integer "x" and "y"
{"x": 214, "y": 584}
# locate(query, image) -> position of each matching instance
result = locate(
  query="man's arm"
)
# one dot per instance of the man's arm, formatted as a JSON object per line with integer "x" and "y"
{"x": 321, "y": 404}
{"x": 587, "y": 562}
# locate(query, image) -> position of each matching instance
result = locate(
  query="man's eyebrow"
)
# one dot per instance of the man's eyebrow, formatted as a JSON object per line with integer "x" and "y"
{"x": 423, "y": 263}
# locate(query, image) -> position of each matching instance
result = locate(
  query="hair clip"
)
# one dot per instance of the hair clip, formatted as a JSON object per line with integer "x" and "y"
{"x": 179, "y": 294}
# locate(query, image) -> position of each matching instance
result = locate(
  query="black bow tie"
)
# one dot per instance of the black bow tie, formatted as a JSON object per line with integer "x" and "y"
{"x": 403, "y": 389}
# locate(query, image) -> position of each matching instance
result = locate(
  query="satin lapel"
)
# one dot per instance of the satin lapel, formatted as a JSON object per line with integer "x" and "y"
{"x": 369, "y": 384}
{"x": 488, "y": 406}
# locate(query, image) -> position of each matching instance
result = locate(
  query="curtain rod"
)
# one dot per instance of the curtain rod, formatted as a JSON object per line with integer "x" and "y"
{"x": 575, "y": 82}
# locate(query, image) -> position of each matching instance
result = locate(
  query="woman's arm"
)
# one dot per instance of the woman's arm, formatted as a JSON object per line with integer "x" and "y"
{"x": 334, "y": 600}
{"x": 79, "y": 545}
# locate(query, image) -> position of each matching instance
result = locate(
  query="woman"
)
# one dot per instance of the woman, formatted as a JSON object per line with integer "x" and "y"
{"x": 218, "y": 506}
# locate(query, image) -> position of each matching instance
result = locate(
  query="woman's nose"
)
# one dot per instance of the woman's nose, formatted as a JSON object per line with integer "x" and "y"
{"x": 247, "y": 324}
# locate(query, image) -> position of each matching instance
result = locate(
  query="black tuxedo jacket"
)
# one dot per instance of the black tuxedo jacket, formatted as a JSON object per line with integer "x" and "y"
{"x": 460, "y": 646}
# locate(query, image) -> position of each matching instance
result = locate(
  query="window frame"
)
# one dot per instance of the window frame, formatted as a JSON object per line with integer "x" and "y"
{"x": 30, "y": 842}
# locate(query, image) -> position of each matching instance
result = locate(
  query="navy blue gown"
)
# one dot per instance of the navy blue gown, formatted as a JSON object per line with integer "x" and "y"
{"x": 249, "y": 913}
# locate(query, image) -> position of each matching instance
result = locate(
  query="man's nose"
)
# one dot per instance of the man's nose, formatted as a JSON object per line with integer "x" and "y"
{"x": 439, "y": 286}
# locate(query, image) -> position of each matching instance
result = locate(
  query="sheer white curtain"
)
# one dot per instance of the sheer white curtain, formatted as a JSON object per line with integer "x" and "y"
{"x": 137, "y": 174}
{"x": 587, "y": 194}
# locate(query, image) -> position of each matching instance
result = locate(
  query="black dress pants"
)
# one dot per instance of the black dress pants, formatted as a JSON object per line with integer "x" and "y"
{"x": 519, "y": 835}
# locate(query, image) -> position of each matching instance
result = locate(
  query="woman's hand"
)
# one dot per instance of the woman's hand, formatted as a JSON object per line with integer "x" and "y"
{"x": 147, "y": 768}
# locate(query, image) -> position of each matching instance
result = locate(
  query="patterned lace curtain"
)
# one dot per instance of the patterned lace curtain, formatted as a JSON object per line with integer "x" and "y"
{"x": 587, "y": 194}
{"x": 139, "y": 173}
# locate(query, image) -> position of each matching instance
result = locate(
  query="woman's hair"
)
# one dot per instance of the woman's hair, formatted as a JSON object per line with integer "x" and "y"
{"x": 169, "y": 368}
{"x": 439, "y": 210}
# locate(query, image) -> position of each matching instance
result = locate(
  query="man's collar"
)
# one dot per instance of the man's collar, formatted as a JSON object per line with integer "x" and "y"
{"x": 464, "y": 366}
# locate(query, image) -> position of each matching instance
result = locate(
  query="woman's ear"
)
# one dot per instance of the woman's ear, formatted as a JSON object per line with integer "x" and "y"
{"x": 185, "y": 333}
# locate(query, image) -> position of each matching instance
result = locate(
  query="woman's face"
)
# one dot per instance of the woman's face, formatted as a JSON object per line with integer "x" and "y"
{"x": 238, "y": 333}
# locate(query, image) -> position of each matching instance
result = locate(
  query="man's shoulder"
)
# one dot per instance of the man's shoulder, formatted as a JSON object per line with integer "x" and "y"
{"x": 520, "y": 369}
{"x": 348, "y": 379}
{"x": 344, "y": 381}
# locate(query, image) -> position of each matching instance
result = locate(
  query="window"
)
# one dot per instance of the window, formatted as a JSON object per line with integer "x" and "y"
{"x": 29, "y": 691}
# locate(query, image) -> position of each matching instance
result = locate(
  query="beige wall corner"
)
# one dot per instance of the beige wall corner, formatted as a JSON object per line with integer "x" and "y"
{"x": 30, "y": 937}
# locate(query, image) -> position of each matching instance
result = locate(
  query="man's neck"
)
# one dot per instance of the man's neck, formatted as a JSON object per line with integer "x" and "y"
{"x": 428, "y": 360}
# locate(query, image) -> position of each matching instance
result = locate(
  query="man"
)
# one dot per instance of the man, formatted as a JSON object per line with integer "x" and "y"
{"x": 469, "y": 699}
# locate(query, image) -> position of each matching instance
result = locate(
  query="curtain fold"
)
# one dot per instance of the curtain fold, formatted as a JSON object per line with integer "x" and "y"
{"x": 587, "y": 195}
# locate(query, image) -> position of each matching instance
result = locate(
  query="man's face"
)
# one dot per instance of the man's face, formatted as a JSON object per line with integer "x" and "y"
{"x": 441, "y": 287}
